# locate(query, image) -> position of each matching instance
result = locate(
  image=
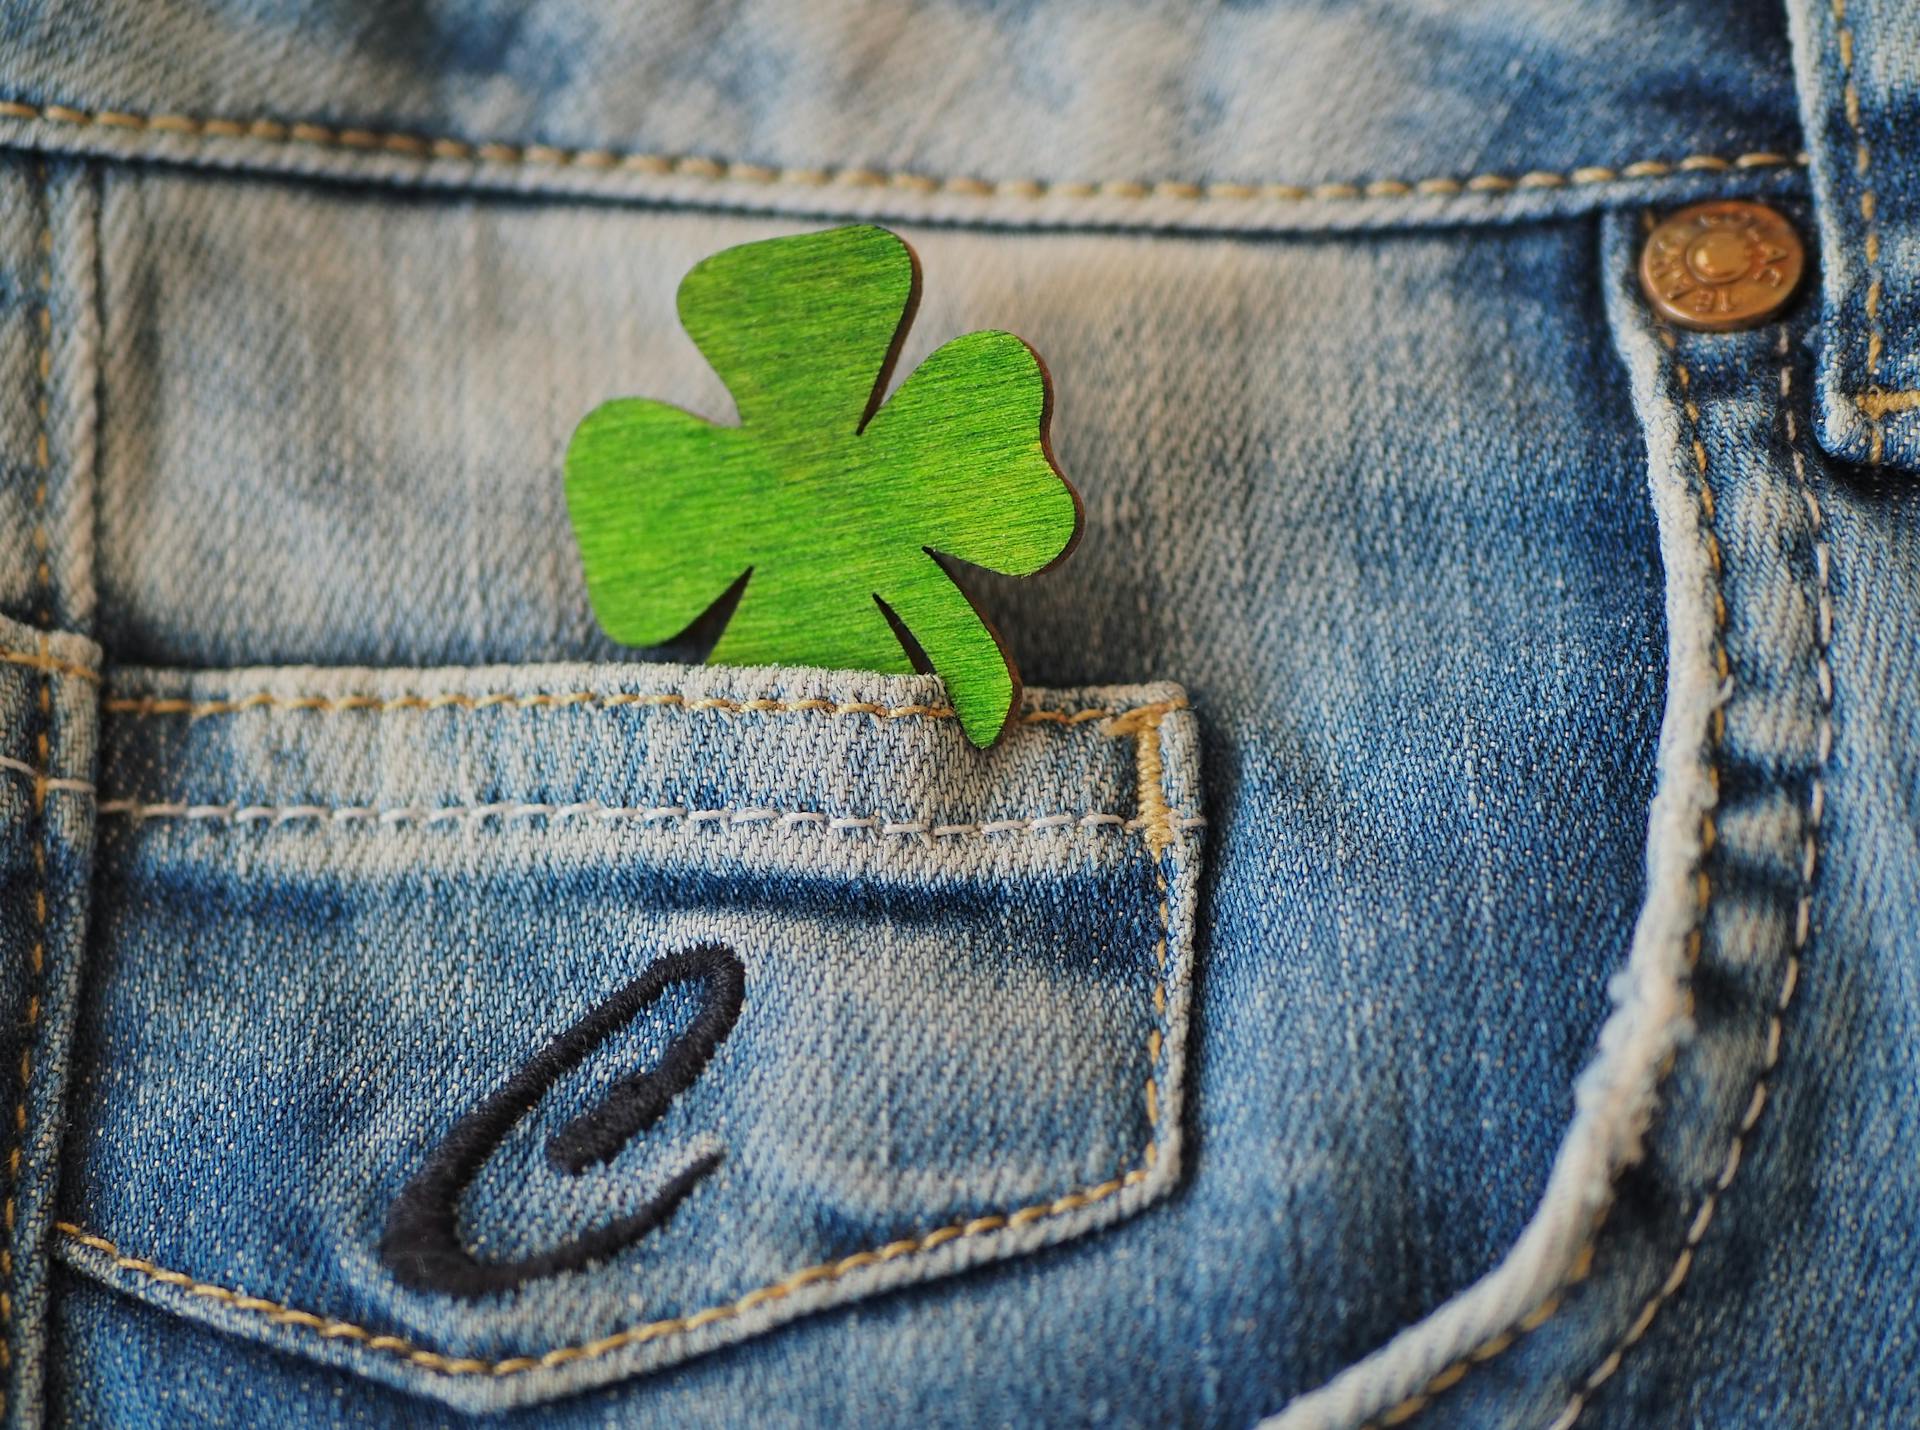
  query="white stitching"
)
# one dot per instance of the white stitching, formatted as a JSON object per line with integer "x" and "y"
{"x": 509, "y": 811}
{"x": 148, "y": 706}
{"x": 26, "y": 771}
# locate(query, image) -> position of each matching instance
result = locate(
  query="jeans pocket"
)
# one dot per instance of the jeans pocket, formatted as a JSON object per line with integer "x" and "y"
{"x": 502, "y": 1032}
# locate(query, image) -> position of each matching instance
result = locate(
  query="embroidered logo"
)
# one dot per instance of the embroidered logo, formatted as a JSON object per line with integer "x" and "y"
{"x": 422, "y": 1245}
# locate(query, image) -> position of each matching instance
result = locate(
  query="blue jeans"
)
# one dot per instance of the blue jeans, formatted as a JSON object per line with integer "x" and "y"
{"x": 1438, "y": 945}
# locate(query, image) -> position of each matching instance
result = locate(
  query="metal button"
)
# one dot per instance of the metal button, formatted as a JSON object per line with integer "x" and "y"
{"x": 1722, "y": 265}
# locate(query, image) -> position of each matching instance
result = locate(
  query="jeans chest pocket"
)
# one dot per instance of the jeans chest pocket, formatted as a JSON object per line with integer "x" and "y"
{"x": 499, "y": 1032}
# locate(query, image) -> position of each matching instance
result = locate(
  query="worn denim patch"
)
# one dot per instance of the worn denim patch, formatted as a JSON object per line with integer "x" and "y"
{"x": 341, "y": 909}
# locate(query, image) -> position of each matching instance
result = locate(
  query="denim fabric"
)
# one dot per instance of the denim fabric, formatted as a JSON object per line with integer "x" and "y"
{"x": 967, "y": 985}
{"x": 1527, "y": 750}
{"x": 1264, "y": 115}
{"x": 1861, "y": 100}
{"x": 1794, "y": 1311}
{"x": 48, "y": 709}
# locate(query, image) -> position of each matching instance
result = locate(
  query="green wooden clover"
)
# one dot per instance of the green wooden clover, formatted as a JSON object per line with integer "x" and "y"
{"x": 830, "y": 503}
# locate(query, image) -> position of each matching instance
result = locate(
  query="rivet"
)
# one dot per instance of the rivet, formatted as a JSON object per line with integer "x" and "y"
{"x": 1723, "y": 265}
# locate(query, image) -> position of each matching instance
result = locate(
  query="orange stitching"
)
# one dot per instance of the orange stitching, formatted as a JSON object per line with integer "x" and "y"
{"x": 551, "y": 156}
{"x": 1870, "y": 239}
{"x": 1497, "y": 1345}
{"x": 1880, "y": 404}
{"x": 21, "y": 767}
{"x": 43, "y": 576}
{"x": 44, "y": 662}
{"x": 827, "y": 1271}
{"x": 1156, "y": 818}
{"x": 1802, "y": 931}
{"x": 36, "y": 967}
{"x": 142, "y": 707}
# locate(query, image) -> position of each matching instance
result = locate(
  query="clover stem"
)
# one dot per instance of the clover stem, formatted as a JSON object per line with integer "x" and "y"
{"x": 963, "y": 649}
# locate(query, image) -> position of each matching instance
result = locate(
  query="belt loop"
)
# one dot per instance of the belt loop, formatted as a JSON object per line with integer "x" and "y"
{"x": 1854, "y": 61}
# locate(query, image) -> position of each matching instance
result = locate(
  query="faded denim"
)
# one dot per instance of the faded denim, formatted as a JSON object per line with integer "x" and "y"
{"x": 1515, "y": 698}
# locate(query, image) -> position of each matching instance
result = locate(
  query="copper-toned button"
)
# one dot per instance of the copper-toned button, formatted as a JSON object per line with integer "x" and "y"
{"x": 1721, "y": 265}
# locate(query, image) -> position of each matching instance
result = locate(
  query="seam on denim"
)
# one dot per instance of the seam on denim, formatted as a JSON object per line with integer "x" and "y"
{"x": 1879, "y": 403}
{"x": 42, "y": 397}
{"x": 146, "y": 706}
{"x": 509, "y": 811}
{"x": 41, "y": 661}
{"x": 1870, "y": 234}
{"x": 328, "y": 1328}
{"x": 1497, "y": 1345}
{"x": 27, "y": 771}
{"x": 1758, "y": 1096}
{"x": 76, "y": 538}
{"x": 1156, "y": 822}
{"x": 1156, "y": 816}
{"x": 36, "y": 968}
{"x": 826, "y": 1271}
{"x": 42, "y": 321}
{"x": 549, "y": 156}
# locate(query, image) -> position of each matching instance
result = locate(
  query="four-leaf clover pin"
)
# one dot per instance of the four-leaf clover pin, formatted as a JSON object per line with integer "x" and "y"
{"x": 831, "y": 503}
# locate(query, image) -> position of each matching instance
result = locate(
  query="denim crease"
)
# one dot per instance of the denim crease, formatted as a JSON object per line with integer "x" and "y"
{"x": 1515, "y": 698}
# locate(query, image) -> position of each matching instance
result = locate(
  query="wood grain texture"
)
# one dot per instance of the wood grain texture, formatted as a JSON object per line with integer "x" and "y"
{"x": 832, "y": 501}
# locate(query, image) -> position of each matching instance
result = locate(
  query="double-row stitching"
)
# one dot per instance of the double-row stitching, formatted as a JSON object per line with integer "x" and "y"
{"x": 1802, "y": 922}
{"x": 30, "y": 1024}
{"x": 39, "y": 771}
{"x": 142, "y": 707}
{"x": 405, "y": 145}
{"x": 1147, "y": 736}
{"x": 1869, "y": 217}
{"x": 1582, "y": 1264}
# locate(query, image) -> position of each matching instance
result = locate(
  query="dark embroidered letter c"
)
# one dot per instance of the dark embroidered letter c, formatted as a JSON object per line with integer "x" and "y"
{"x": 422, "y": 1245}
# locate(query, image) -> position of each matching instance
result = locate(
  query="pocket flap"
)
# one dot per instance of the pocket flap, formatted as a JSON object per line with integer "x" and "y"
{"x": 502, "y": 1032}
